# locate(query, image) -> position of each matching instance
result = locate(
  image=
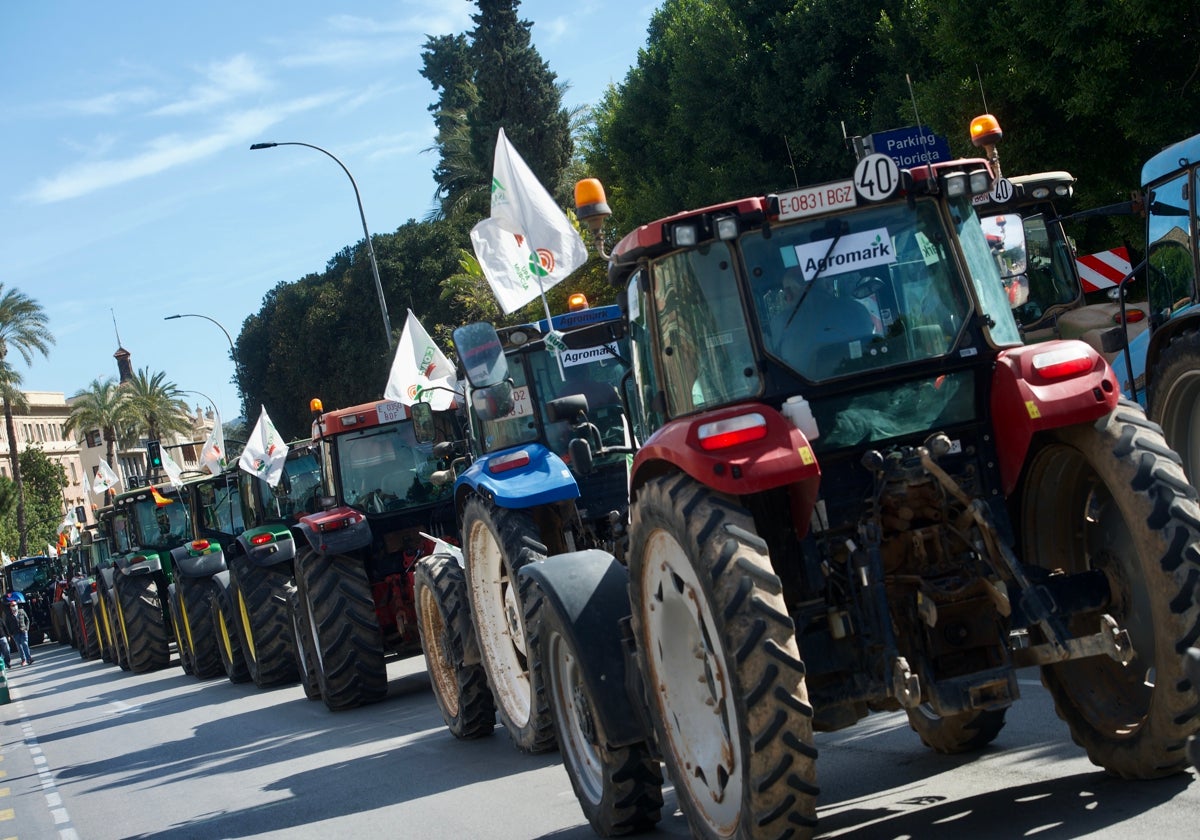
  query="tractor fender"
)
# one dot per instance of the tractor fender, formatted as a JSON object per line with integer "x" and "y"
{"x": 1024, "y": 400}
{"x": 541, "y": 478}
{"x": 782, "y": 457}
{"x": 340, "y": 530}
{"x": 268, "y": 545}
{"x": 193, "y": 564}
{"x": 588, "y": 590}
{"x": 139, "y": 564}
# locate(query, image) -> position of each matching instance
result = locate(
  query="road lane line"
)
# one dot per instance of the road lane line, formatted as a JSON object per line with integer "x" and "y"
{"x": 58, "y": 813}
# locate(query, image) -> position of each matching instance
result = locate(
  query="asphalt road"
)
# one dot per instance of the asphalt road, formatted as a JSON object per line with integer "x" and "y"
{"x": 92, "y": 752}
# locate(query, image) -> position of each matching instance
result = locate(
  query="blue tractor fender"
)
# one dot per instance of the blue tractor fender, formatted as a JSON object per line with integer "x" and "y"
{"x": 542, "y": 480}
{"x": 589, "y": 593}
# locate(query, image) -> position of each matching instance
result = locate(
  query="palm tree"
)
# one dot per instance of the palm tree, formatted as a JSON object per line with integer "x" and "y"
{"x": 23, "y": 328}
{"x": 156, "y": 405}
{"x": 103, "y": 405}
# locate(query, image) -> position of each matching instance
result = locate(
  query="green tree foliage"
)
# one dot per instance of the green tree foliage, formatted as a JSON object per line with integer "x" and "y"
{"x": 742, "y": 97}
{"x": 156, "y": 404}
{"x": 493, "y": 78}
{"x": 517, "y": 92}
{"x": 1091, "y": 86}
{"x": 43, "y": 483}
{"x": 737, "y": 97}
{"x": 22, "y": 328}
{"x": 322, "y": 336}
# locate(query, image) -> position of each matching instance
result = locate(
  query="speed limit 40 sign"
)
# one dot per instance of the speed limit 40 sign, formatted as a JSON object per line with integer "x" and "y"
{"x": 876, "y": 177}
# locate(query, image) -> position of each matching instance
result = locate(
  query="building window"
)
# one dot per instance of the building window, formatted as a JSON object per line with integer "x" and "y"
{"x": 94, "y": 439}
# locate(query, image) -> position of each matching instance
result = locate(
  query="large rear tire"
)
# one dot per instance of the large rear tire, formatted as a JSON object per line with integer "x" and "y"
{"x": 186, "y": 658}
{"x": 268, "y": 641}
{"x": 347, "y": 643}
{"x": 954, "y": 734}
{"x": 727, "y": 694}
{"x": 619, "y": 790}
{"x": 117, "y": 628}
{"x": 452, "y": 655}
{"x": 199, "y": 631}
{"x": 506, "y": 615}
{"x": 105, "y": 626}
{"x": 1111, "y": 496}
{"x": 89, "y": 638}
{"x": 143, "y": 626}
{"x": 229, "y": 645}
{"x": 1173, "y": 399}
{"x": 306, "y": 662}
{"x": 60, "y": 623}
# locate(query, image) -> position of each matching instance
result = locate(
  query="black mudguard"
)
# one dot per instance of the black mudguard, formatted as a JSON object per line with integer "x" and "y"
{"x": 197, "y": 566}
{"x": 589, "y": 590}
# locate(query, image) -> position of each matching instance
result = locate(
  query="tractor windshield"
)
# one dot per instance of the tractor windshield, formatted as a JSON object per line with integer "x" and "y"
{"x": 591, "y": 367}
{"x": 30, "y": 577}
{"x": 159, "y": 525}
{"x": 220, "y": 507}
{"x": 122, "y": 533}
{"x": 866, "y": 290}
{"x": 383, "y": 469}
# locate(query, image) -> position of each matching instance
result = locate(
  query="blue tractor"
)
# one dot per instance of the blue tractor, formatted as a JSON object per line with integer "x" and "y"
{"x": 544, "y": 471}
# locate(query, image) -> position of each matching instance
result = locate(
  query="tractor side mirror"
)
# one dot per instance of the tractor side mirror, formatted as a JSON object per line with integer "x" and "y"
{"x": 481, "y": 354}
{"x": 581, "y": 455}
{"x": 423, "y": 425}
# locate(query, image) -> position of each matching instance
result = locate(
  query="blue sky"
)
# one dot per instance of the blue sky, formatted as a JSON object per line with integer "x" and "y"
{"x": 129, "y": 191}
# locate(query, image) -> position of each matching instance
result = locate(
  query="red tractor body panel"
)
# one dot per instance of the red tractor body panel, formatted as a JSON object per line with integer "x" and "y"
{"x": 1025, "y": 401}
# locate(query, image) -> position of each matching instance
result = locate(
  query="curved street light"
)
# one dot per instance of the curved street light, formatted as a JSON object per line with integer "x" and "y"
{"x": 232, "y": 351}
{"x": 228, "y": 337}
{"x": 387, "y": 323}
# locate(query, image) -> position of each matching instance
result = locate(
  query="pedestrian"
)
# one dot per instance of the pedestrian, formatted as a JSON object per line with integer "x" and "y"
{"x": 5, "y": 651}
{"x": 16, "y": 624}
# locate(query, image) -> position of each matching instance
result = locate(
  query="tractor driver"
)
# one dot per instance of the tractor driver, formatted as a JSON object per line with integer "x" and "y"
{"x": 814, "y": 328}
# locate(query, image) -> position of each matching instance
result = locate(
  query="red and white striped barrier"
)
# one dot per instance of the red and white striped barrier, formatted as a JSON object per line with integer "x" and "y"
{"x": 1104, "y": 269}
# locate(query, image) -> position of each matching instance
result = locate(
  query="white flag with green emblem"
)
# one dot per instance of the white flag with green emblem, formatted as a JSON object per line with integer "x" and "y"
{"x": 265, "y": 451}
{"x": 420, "y": 370}
{"x": 527, "y": 245}
{"x": 105, "y": 479}
{"x": 212, "y": 456}
{"x": 171, "y": 468}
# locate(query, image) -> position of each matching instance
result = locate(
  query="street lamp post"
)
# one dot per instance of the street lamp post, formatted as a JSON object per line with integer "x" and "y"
{"x": 232, "y": 351}
{"x": 387, "y": 323}
{"x": 228, "y": 337}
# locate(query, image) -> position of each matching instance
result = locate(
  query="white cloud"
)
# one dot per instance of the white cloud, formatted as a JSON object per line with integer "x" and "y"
{"x": 225, "y": 81}
{"x": 107, "y": 104}
{"x": 167, "y": 152}
{"x": 356, "y": 40}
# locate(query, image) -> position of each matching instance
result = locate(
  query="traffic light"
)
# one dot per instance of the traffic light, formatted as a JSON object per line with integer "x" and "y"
{"x": 81, "y": 515}
{"x": 154, "y": 454}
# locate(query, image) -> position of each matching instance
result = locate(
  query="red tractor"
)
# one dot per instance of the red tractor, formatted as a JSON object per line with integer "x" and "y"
{"x": 355, "y": 557}
{"x": 857, "y": 491}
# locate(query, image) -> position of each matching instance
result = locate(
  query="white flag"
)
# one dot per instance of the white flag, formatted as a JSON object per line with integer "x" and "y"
{"x": 87, "y": 486}
{"x": 265, "y": 451}
{"x": 212, "y": 456}
{"x": 106, "y": 479}
{"x": 69, "y": 521}
{"x": 171, "y": 468}
{"x": 418, "y": 366}
{"x": 542, "y": 243}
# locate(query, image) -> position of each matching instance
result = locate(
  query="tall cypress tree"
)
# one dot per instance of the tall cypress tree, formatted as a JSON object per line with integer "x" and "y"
{"x": 493, "y": 78}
